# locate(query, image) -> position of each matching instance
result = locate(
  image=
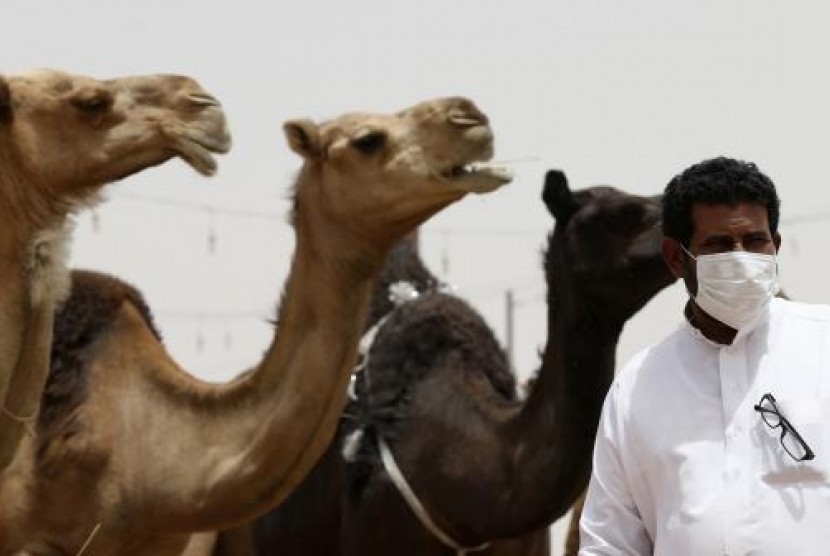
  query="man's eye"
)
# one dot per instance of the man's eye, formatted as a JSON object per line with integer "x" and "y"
{"x": 719, "y": 245}
{"x": 756, "y": 242}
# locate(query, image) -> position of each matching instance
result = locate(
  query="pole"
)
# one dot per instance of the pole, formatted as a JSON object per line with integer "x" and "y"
{"x": 509, "y": 307}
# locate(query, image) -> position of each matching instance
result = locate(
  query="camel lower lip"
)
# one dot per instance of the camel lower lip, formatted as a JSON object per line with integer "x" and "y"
{"x": 199, "y": 157}
{"x": 197, "y": 148}
{"x": 220, "y": 146}
{"x": 218, "y": 143}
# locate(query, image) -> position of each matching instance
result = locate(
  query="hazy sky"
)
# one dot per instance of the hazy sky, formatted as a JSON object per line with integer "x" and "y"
{"x": 621, "y": 93}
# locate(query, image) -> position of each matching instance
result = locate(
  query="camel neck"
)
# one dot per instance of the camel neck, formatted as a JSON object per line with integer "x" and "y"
{"x": 14, "y": 312}
{"x": 16, "y": 233}
{"x": 577, "y": 366}
{"x": 289, "y": 404}
{"x": 323, "y": 308}
{"x": 558, "y": 421}
{"x": 38, "y": 280}
{"x": 26, "y": 205}
{"x": 23, "y": 390}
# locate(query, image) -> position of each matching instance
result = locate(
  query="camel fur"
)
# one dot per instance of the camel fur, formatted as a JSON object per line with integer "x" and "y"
{"x": 62, "y": 138}
{"x": 487, "y": 466}
{"x": 142, "y": 454}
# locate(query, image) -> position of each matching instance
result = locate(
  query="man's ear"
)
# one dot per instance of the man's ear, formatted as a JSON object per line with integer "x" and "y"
{"x": 776, "y": 240}
{"x": 5, "y": 101}
{"x": 674, "y": 256}
{"x": 303, "y": 137}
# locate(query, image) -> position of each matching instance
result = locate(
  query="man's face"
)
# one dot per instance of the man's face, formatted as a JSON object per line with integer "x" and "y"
{"x": 719, "y": 228}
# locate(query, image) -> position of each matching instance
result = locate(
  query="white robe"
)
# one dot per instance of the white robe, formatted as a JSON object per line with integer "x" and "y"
{"x": 684, "y": 465}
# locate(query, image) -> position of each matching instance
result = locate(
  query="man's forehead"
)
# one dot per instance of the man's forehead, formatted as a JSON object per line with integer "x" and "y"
{"x": 707, "y": 216}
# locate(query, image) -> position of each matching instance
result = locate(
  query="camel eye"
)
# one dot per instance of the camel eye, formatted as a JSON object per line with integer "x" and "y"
{"x": 94, "y": 103}
{"x": 369, "y": 142}
{"x": 631, "y": 214}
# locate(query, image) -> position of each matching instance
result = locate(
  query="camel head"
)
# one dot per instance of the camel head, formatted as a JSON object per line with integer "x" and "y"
{"x": 67, "y": 135}
{"x": 393, "y": 170}
{"x": 604, "y": 252}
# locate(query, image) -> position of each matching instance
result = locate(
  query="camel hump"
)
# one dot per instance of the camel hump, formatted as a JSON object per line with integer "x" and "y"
{"x": 557, "y": 195}
{"x": 93, "y": 304}
{"x": 417, "y": 339}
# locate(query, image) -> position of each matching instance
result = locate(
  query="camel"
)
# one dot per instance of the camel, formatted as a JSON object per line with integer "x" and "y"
{"x": 133, "y": 453}
{"x": 486, "y": 466}
{"x": 62, "y": 138}
{"x": 572, "y": 536}
{"x": 309, "y": 521}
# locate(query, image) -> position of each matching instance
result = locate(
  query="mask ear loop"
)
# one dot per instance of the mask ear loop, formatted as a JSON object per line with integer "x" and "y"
{"x": 694, "y": 259}
{"x": 777, "y": 274}
{"x": 687, "y": 252}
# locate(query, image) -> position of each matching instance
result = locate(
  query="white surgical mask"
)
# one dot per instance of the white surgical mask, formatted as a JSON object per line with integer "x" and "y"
{"x": 736, "y": 286}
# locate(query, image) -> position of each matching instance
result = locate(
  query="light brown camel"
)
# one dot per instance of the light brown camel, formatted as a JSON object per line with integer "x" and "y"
{"x": 133, "y": 453}
{"x": 62, "y": 138}
{"x": 484, "y": 464}
{"x": 572, "y": 537}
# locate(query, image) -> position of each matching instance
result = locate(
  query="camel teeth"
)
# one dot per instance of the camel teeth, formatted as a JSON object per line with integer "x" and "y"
{"x": 501, "y": 171}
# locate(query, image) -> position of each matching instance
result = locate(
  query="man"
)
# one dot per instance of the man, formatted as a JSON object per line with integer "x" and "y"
{"x": 716, "y": 440}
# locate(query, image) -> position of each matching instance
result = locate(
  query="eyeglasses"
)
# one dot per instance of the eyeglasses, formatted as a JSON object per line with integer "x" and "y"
{"x": 792, "y": 442}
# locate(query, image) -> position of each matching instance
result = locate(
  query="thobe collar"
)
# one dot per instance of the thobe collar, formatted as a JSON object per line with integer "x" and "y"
{"x": 742, "y": 333}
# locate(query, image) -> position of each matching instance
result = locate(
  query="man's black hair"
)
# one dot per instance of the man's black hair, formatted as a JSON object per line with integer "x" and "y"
{"x": 716, "y": 181}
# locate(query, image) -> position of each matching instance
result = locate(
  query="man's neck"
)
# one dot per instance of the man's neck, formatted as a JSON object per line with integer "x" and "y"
{"x": 710, "y": 327}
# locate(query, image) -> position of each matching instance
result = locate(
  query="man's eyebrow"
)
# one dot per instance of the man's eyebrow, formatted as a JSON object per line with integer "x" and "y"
{"x": 719, "y": 237}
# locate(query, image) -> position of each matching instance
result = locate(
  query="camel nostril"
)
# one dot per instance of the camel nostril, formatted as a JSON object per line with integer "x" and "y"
{"x": 466, "y": 119}
{"x": 202, "y": 99}
{"x": 466, "y": 107}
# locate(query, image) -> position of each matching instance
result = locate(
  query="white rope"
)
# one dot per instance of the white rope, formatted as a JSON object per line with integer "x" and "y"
{"x": 399, "y": 294}
{"x": 26, "y": 420}
{"x": 365, "y": 346}
{"x": 89, "y": 540}
{"x": 415, "y": 505}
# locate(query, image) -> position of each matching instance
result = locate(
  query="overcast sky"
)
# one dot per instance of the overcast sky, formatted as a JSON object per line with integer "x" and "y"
{"x": 621, "y": 93}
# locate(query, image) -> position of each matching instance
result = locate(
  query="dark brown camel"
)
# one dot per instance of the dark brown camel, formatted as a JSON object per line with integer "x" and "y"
{"x": 305, "y": 525}
{"x": 437, "y": 389}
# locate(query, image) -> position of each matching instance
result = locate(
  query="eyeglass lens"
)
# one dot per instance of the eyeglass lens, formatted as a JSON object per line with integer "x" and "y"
{"x": 793, "y": 447}
{"x": 771, "y": 416}
{"x": 789, "y": 438}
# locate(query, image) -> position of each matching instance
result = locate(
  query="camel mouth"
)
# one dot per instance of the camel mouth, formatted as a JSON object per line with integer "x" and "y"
{"x": 647, "y": 245}
{"x": 478, "y": 177}
{"x": 198, "y": 150}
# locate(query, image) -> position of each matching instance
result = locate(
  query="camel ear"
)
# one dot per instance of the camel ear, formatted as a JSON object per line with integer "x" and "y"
{"x": 557, "y": 195}
{"x": 303, "y": 137}
{"x": 5, "y": 101}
